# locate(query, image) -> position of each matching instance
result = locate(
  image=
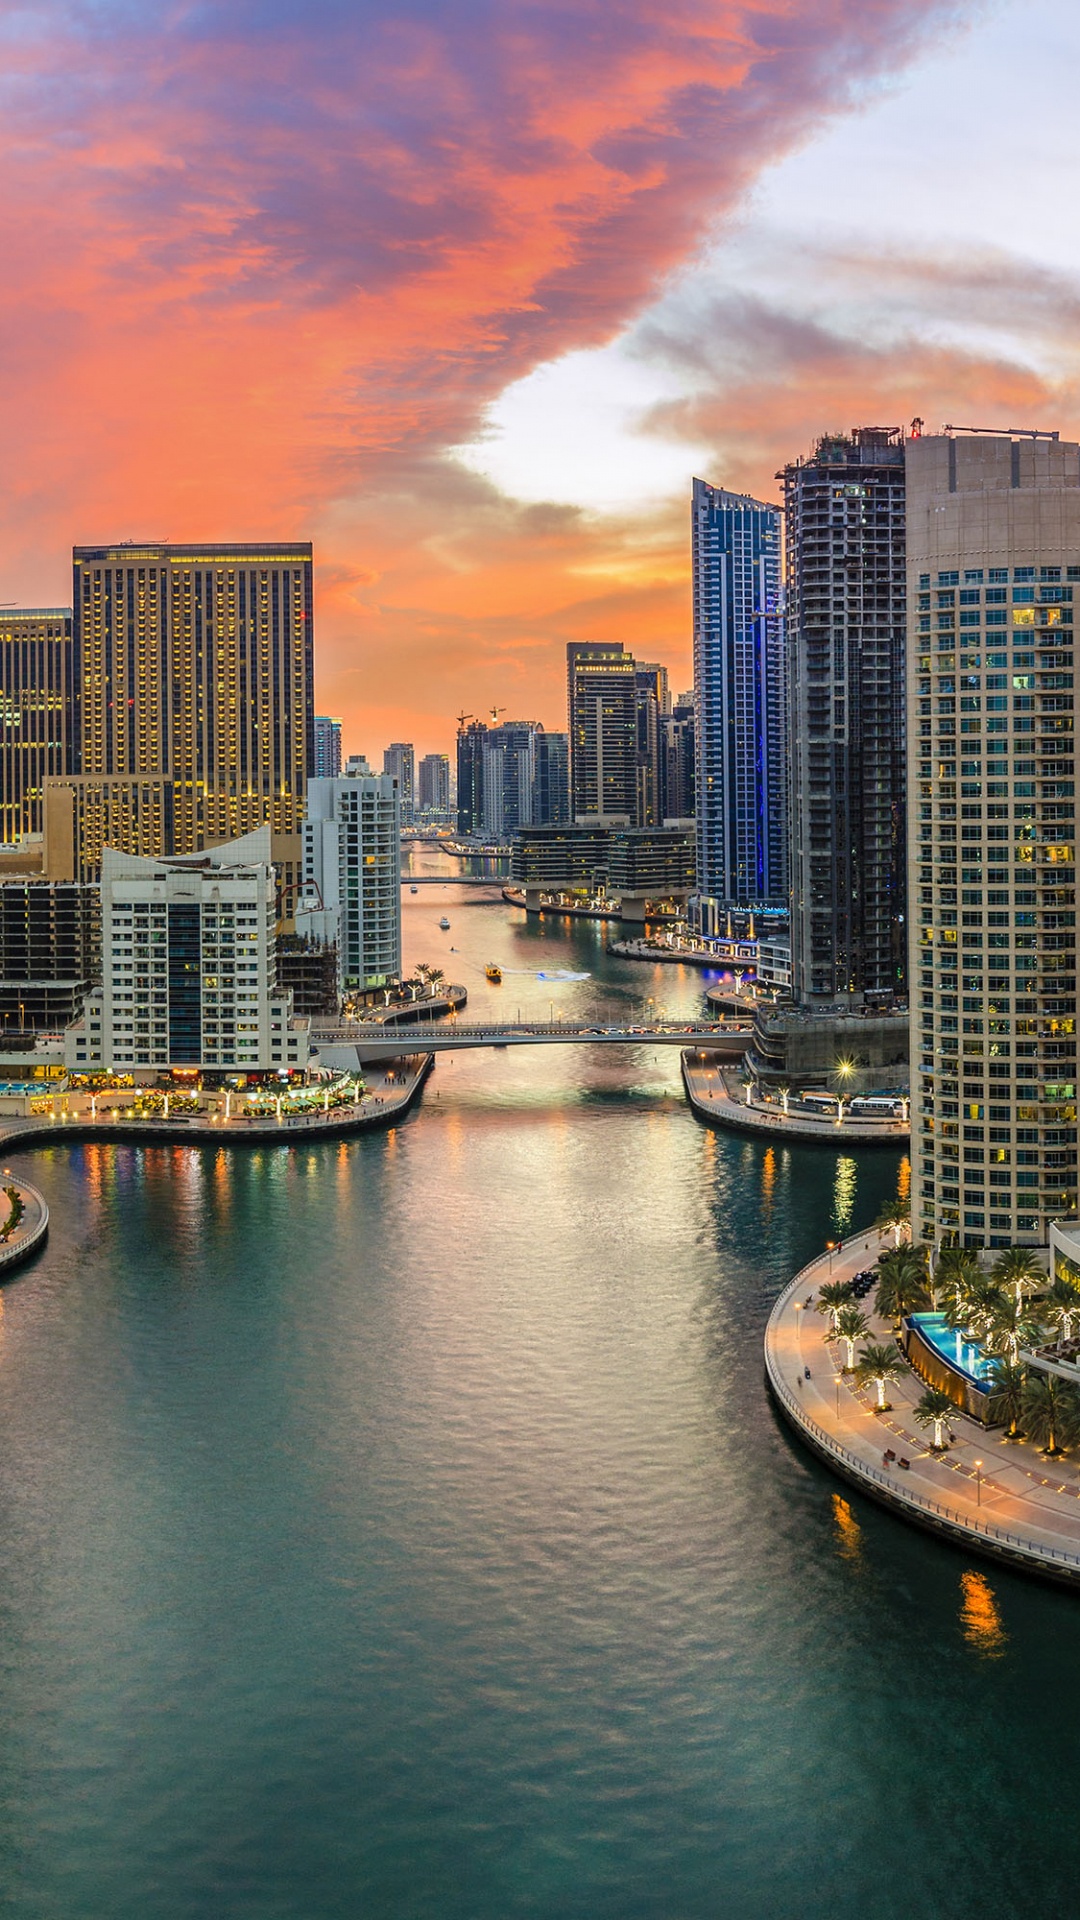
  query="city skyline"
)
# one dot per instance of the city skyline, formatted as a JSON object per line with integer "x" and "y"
{"x": 523, "y": 487}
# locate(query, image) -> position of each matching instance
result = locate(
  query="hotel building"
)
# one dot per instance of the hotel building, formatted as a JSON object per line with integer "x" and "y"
{"x": 188, "y": 977}
{"x": 993, "y": 568}
{"x": 37, "y": 700}
{"x": 195, "y": 666}
{"x": 602, "y": 705}
{"x": 740, "y": 700}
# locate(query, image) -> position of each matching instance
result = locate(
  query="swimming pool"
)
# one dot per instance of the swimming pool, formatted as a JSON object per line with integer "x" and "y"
{"x": 964, "y": 1356}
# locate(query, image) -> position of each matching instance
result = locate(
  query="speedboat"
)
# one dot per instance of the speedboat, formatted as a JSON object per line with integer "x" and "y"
{"x": 444, "y": 924}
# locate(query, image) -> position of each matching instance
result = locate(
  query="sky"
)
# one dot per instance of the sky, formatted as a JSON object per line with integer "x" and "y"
{"x": 466, "y": 291}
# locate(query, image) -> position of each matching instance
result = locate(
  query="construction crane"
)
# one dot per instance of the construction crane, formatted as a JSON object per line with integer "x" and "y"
{"x": 461, "y": 719}
{"x": 495, "y": 712}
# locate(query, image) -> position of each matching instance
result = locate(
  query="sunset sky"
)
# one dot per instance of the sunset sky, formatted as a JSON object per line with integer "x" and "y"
{"x": 467, "y": 292}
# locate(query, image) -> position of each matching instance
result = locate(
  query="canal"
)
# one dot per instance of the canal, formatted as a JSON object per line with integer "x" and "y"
{"x": 398, "y": 1528}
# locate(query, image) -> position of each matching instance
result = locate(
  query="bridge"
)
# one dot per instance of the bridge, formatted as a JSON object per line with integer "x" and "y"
{"x": 455, "y": 879}
{"x": 363, "y": 1041}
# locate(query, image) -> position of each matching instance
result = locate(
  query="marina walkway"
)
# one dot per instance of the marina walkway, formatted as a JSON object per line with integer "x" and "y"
{"x": 716, "y": 1093}
{"x": 997, "y": 1496}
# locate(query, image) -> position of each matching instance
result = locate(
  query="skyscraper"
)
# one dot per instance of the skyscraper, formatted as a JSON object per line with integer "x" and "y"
{"x": 509, "y": 777}
{"x": 677, "y": 764}
{"x": 846, "y": 642}
{"x": 602, "y": 707}
{"x": 652, "y": 703}
{"x": 400, "y": 760}
{"x": 993, "y": 567}
{"x": 470, "y": 775}
{"x": 551, "y": 796}
{"x": 434, "y": 773}
{"x": 327, "y": 764}
{"x": 37, "y": 702}
{"x": 740, "y": 696}
{"x": 195, "y": 665}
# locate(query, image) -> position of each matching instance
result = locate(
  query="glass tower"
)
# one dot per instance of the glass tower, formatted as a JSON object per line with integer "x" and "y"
{"x": 740, "y": 700}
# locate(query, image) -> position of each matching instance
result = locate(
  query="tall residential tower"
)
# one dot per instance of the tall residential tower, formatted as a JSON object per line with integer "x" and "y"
{"x": 993, "y": 568}
{"x": 37, "y": 704}
{"x": 846, "y": 642}
{"x": 195, "y": 666}
{"x": 740, "y": 698}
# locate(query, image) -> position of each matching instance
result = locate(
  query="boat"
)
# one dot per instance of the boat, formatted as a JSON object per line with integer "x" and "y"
{"x": 414, "y": 889}
{"x": 493, "y": 973}
{"x": 444, "y": 924}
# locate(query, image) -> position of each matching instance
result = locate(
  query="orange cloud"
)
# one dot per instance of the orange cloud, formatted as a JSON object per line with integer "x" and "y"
{"x": 266, "y": 262}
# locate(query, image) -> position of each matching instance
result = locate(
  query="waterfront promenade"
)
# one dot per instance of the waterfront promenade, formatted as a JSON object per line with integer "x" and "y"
{"x": 33, "y": 1225}
{"x": 717, "y": 1095}
{"x": 110, "y": 1116}
{"x": 989, "y": 1494}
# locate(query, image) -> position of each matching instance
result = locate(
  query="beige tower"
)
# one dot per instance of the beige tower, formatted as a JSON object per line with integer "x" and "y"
{"x": 195, "y": 666}
{"x": 993, "y": 527}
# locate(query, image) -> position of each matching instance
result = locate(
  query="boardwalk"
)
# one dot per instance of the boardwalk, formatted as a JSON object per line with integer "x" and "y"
{"x": 1000, "y": 1497}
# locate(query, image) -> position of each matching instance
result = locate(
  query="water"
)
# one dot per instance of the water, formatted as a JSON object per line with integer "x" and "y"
{"x": 399, "y": 1528}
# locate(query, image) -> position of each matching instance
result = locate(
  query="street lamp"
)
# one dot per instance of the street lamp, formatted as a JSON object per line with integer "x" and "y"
{"x": 836, "y": 1377}
{"x": 830, "y": 1248}
{"x": 978, "y": 1483}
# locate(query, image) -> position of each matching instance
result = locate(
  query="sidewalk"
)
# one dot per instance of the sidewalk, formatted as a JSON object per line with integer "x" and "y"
{"x": 1018, "y": 1506}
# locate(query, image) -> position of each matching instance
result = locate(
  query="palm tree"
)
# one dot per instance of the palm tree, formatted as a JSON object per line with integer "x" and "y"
{"x": 977, "y": 1306}
{"x": 1051, "y": 1411}
{"x": 832, "y": 1296}
{"x": 1018, "y": 1268}
{"x": 901, "y": 1285}
{"x": 956, "y": 1269}
{"x": 1009, "y": 1326}
{"x": 879, "y": 1363}
{"x": 893, "y": 1218}
{"x": 934, "y": 1409}
{"x": 1061, "y": 1307}
{"x": 851, "y": 1325}
{"x": 1006, "y": 1393}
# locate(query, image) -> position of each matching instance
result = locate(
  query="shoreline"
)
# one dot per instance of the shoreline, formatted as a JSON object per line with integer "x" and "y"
{"x": 847, "y": 1433}
{"x": 716, "y": 1105}
{"x": 375, "y": 1111}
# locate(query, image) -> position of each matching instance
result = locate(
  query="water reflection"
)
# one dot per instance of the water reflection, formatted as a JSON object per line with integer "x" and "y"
{"x": 844, "y": 1187}
{"x": 849, "y": 1534}
{"x": 980, "y": 1619}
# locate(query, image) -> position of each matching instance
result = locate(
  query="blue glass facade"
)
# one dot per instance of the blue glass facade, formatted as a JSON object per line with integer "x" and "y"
{"x": 740, "y": 703}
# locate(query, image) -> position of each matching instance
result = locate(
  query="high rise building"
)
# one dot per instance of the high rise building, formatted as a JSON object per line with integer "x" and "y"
{"x": 845, "y": 619}
{"x": 195, "y": 666}
{"x": 470, "y": 775}
{"x": 993, "y": 568}
{"x": 677, "y": 761}
{"x": 602, "y": 709}
{"x": 740, "y": 697}
{"x": 551, "y": 792}
{"x": 399, "y": 760}
{"x": 652, "y": 703}
{"x": 188, "y": 968}
{"x": 352, "y": 871}
{"x": 434, "y": 773}
{"x": 37, "y": 702}
{"x": 327, "y": 762}
{"x": 509, "y": 777}
{"x": 85, "y": 814}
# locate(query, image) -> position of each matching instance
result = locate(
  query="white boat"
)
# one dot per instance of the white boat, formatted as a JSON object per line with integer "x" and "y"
{"x": 444, "y": 924}
{"x": 414, "y": 889}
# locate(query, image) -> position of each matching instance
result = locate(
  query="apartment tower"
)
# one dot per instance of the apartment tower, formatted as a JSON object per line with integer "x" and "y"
{"x": 845, "y": 612}
{"x": 602, "y": 697}
{"x": 37, "y": 692}
{"x": 993, "y": 567}
{"x": 740, "y": 698}
{"x": 195, "y": 666}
